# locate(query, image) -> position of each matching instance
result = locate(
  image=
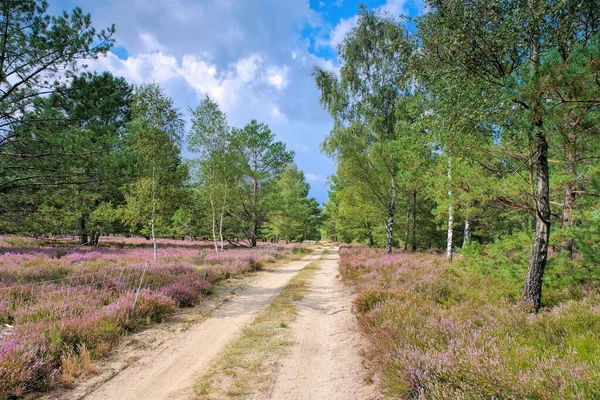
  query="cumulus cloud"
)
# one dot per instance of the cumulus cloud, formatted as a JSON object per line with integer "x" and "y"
{"x": 226, "y": 85}
{"x": 339, "y": 32}
{"x": 252, "y": 56}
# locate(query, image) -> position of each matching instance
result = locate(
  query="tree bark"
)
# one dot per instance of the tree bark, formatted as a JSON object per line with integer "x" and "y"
{"x": 253, "y": 240}
{"x": 570, "y": 188}
{"x": 450, "y": 215}
{"x": 407, "y": 230}
{"x": 414, "y": 221}
{"x": 221, "y": 222}
{"x": 467, "y": 232}
{"x": 391, "y": 211}
{"x": 214, "y": 222}
{"x": 83, "y": 236}
{"x": 532, "y": 293}
{"x": 154, "y": 211}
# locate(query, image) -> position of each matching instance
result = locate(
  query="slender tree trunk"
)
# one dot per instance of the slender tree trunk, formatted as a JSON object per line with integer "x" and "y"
{"x": 389, "y": 238}
{"x": 83, "y": 236}
{"x": 407, "y": 230}
{"x": 214, "y": 221}
{"x": 414, "y": 221}
{"x": 154, "y": 210}
{"x": 255, "y": 212}
{"x": 221, "y": 221}
{"x": 370, "y": 235}
{"x": 450, "y": 215}
{"x": 532, "y": 293}
{"x": 467, "y": 233}
{"x": 569, "y": 200}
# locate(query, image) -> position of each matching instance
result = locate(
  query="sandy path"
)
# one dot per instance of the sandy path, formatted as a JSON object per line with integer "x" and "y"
{"x": 168, "y": 373}
{"x": 325, "y": 363}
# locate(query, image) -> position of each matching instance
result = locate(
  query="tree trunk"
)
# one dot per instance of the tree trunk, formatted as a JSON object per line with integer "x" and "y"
{"x": 154, "y": 210}
{"x": 221, "y": 222}
{"x": 389, "y": 238}
{"x": 532, "y": 293}
{"x": 255, "y": 212}
{"x": 407, "y": 230}
{"x": 569, "y": 200}
{"x": 370, "y": 235}
{"x": 414, "y": 221}
{"x": 467, "y": 233}
{"x": 450, "y": 215}
{"x": 214, "y": 222}
{"x": 83, "y": 236}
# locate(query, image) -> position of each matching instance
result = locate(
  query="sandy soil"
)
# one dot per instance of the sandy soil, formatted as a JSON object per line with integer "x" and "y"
{"x": 175, "y": 355}
{"x": 325, "y": 363}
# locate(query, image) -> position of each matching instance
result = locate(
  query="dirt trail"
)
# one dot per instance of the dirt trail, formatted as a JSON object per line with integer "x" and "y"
{"x": 325, "y": 363}
{"x": 168, "y": 373}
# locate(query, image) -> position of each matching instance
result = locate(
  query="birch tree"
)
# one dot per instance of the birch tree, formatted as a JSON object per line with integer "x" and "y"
{"x": 157, "y": 129}
{"x": 371, "y": 80}
{"x": 210, "y": 138}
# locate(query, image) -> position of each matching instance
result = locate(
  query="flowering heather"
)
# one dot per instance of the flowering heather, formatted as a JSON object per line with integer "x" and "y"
{"x": 56, "y": 299}
{"x": 446, "y": 332}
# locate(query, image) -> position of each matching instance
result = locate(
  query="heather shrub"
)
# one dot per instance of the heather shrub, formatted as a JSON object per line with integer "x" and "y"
{"x": 368, "y": 299}
{"x": 26, "y": 362}
{"x": 447, "y": 332}
{"x": 182, "y": 295}
{"x": 83, "y": 299}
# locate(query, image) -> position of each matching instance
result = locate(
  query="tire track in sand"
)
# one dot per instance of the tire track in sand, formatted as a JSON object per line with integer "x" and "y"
{"x": 326, "y": 363}
{"x": 169, "y": 372}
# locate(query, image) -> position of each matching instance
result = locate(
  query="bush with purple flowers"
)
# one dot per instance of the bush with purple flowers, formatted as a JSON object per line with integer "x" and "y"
{"x": 440, "y": 331}
{"x": 56, "y": 299}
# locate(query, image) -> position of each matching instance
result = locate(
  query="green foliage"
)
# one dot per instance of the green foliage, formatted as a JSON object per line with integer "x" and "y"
{"x": 261, "y": 160}
{"x": 292, "y": 216}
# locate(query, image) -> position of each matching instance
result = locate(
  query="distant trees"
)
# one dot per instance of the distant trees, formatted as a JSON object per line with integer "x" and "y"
{"x": 362, "y": 103}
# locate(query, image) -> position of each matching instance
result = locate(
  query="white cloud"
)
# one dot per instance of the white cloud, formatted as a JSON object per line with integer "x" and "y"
{"x": 226, "y": 86}
{"x": 277, "y": 77}
{"x": 149, "y": 42}
{"x": 314, "y": 178}
{"x": 276, "y": 112}
{"x": 394, "y": 7}
{"x": 247, "y": 67}
{"x": 340, "y": 31}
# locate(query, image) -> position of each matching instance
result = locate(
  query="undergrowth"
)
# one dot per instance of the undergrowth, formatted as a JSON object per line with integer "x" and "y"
{"x": 440, "y": 331}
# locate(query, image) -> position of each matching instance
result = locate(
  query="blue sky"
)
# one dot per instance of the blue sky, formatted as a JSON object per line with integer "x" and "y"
{"x": 253, "y": 56}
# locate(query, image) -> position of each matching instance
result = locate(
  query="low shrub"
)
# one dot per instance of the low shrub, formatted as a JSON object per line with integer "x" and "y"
{"x": 440, "y": 331}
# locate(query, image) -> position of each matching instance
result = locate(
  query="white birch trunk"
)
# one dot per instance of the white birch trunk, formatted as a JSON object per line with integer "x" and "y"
{"x": 153, "y": 209}
{"x": 450, "y": 215}
{"x": 214, "y": 222}
{"x": 221, "y": 222}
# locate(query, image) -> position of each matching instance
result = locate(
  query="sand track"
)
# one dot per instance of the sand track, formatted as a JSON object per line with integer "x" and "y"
{"x": 325, "y": 363}
{"x": 168, "y": 371}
